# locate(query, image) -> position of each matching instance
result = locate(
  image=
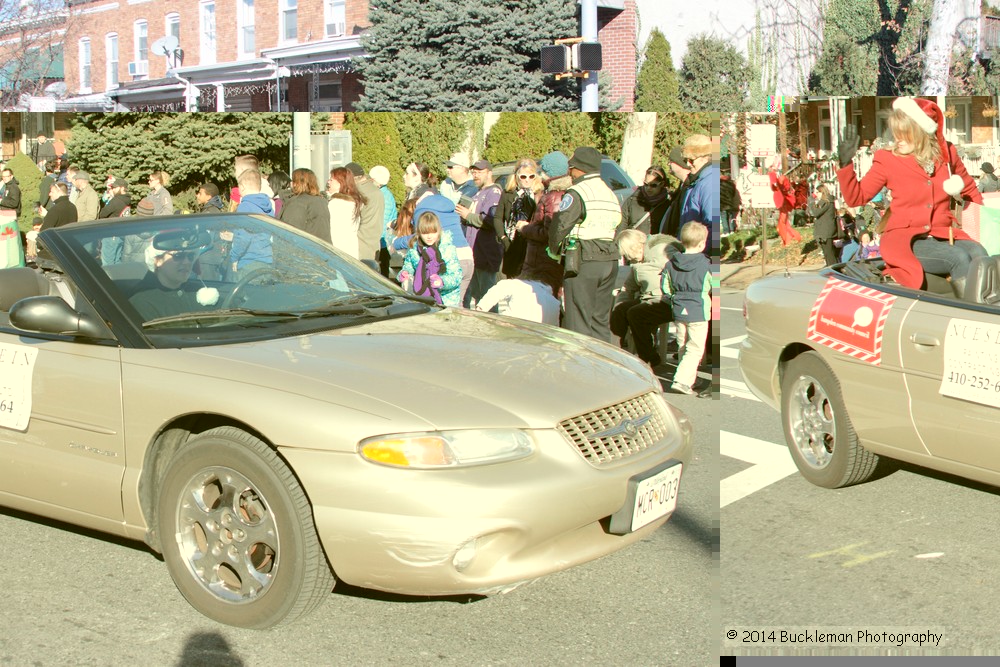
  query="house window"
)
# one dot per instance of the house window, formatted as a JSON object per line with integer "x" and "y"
{"x": 85, "y": 65}
{"x": 141, "y": 41}
{"x": 335, "y": 12}
{"x": 825, "y": 140}
{"x": 289, "y": 20}
{"x": 246, "y": 28}
{"x": 326, "y": 92}
{"x": 111, "y": 60}
{"x": 882, "y": 118}
{"x": 173, "y": 26}
{"x": 958, "y": 120}
{"x": 207, "y": 39}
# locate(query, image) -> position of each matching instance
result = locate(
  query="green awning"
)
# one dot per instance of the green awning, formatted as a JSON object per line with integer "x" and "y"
{"x": 37, "y": 63}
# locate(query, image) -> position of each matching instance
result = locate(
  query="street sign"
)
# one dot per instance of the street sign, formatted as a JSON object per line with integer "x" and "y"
{"x": 763, "y": 140}
{"x": 761, "y": 195}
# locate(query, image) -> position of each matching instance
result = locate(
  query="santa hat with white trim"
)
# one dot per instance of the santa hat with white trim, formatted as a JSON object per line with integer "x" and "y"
{"x": 928, "y": 117}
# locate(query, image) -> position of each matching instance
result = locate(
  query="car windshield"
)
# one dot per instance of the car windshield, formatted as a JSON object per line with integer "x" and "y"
{"x": 226, "y": 270}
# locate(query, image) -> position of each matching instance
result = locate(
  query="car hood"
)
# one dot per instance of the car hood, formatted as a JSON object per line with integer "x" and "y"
{"x": 450, "y": 369}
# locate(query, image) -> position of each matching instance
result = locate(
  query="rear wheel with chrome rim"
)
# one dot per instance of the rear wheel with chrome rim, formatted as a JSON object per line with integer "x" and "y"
{"x": 818, "y": 430}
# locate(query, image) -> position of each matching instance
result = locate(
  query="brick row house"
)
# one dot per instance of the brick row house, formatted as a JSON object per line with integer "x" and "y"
{"x": 969, "y": 121}
{"x": 254, "y": 55}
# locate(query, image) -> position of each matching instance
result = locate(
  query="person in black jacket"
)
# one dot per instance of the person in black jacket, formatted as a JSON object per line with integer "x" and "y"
{"x": 648, "y": 204}
{"x": 729, "y": 203}
{"x": 671, "y": 223}
{"x": 306, "y": 209}
{"x": 11, "y": 200}
{"x": 825, "y": 230}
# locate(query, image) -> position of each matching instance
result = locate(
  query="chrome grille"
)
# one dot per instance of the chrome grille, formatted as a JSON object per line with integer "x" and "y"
{"x": 603, "y": 450}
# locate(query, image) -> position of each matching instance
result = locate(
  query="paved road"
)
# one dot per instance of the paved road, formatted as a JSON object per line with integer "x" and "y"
{"x": 73, "y": 597}
{"x": 912, "y": 552}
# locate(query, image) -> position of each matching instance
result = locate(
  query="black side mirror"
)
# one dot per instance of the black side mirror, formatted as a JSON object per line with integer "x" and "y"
{"x": 52, "y": 315}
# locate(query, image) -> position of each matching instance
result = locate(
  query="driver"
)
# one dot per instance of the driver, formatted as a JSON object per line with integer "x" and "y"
{"x": 167, "y": 289}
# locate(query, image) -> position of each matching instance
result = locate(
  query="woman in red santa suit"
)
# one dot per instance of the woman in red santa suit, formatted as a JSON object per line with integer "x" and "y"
{"x": 924, "y": 173}
{"x": 784, "y": 201}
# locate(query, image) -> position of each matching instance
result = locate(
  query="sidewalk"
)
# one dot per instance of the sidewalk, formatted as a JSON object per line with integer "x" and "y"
{"x": 737, "y": 275}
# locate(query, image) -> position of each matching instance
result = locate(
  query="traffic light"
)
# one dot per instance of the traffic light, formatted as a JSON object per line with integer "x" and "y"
{"x": 564, "y": 59}
{"x": 587, "y": 56}
{"x": 556, "y": 59}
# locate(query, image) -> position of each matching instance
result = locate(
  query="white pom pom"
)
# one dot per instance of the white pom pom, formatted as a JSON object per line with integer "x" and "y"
{"x": 208, "y": 296}
{"x": 953, "y": 186}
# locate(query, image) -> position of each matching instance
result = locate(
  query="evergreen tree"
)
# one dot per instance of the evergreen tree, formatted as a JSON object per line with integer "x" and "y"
{"x": 570, "y": 131}
{"x": 714, "y": 76}
{"x": 672, "y": 128}
{"x": 452, "y": 56}
{"x": 516, "y": 135}
{"x": 192, "y": 148}
{"x": 656, "y": 86}
{"x": 849, "y": 62}
{"x": 28, "y": 177}
{"x": 375, "y": 140}
{"x": 432, "y": 138}
{"x": 610, "y": 131}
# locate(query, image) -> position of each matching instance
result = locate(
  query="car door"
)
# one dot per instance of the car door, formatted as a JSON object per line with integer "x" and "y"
{"x": 951, "y": 359}
{"x": 66, "y": 448}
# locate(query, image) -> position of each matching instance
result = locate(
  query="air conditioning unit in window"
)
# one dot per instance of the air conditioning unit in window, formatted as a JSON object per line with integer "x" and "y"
{"x": 140, "y": 68}
{"x": 335, "y": 29}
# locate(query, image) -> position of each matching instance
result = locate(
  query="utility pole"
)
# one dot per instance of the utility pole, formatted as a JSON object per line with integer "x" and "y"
{"x": 589, "y": 99}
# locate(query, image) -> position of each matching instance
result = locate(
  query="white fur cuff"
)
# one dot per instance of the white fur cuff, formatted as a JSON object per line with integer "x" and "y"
{"x": 953, "y": 185}
{"x": 910, "y": 107}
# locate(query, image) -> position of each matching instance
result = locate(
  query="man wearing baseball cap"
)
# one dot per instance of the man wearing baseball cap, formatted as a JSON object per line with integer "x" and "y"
{"x": 119, "y": 205}
{"x": 589, "y": 212}
{"x": 477, "y": 223}
{"x": 459, "y": 182}
{"x": 88, "y": 202}
{"x": 119, "y": 200}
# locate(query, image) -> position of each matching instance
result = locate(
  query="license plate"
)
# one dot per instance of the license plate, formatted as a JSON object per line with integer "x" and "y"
{"x": 649, "y": 498}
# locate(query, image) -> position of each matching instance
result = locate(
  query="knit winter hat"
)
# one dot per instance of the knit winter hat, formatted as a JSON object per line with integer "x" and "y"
{"x": 379, "y": 174}
{"x": 555, "y": 164}
{"x": 144, "y": 207}
{"x": 929, "y": 118}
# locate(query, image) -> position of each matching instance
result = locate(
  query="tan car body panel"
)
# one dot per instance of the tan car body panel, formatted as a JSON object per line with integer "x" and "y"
{"x": 350, "y": 383}
{"x": 886, "y": 405}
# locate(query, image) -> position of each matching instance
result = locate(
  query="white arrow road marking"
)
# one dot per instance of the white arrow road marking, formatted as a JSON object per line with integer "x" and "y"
{"x": 736, "y": 388}
{"x": 772, "y": 463}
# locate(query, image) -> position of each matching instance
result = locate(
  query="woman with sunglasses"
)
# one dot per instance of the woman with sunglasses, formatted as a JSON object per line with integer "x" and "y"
{"x": 163, "y": 203}
{"x": 648, "y": 202}
{"x": 514, "y": 211}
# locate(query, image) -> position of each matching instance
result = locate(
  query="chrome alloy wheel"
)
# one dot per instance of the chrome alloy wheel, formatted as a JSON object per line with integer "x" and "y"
{"x": 227, "y": 535}
{"x": 811, "y": 422}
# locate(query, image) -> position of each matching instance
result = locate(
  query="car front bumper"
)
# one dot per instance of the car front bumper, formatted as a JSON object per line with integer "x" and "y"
{"x": 478, "y": 530}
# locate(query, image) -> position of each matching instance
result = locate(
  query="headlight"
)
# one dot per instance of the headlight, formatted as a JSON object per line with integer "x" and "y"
{"x": 446, "y": 449}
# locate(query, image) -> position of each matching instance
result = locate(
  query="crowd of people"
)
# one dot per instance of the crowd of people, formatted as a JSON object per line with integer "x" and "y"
{"x": 544, "y": 244}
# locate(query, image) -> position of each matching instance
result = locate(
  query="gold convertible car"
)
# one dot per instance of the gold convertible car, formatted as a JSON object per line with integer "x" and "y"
{"x": 273, "y": 416}
{"x": 865, "y": 372}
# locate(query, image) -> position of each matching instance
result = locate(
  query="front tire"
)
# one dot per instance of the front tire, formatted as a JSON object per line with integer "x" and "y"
{"x": 817, "y": 428}
{"x": 238, "y": 534}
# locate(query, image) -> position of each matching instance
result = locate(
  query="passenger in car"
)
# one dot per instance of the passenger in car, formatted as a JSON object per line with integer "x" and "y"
{"x": 923, "y": 173}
